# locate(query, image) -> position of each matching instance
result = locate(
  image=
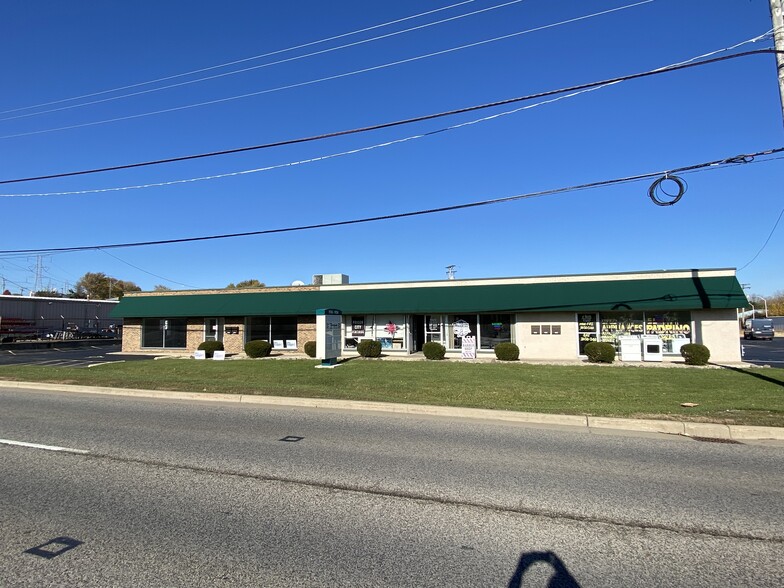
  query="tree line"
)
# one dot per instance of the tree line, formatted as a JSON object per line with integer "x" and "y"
{"x": 99, "y": 286}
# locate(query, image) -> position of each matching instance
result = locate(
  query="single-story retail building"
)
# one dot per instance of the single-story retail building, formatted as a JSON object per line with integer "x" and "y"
{"x": 548, "y": 317}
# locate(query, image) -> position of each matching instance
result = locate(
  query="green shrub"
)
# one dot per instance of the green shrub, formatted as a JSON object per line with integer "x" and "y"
{"x": 695, "y": 354}
{"x": 257, "y": 348}
{"x": 600, "y": 352}
{"x": 434, "y": 350}
{"x": 310, "y": 348}
{"x": 368, "y": 348}
{"x": 210, "y": 347}
{"x": 507, "y": 352}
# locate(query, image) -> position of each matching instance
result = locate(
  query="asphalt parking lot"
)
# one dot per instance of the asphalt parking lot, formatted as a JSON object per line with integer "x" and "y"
{"x": 76, "y": 357}
{"x": 761, "y": 352}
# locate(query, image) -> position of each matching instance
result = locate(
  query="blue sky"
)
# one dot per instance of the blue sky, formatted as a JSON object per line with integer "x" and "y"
{"x": 52, "y": 51}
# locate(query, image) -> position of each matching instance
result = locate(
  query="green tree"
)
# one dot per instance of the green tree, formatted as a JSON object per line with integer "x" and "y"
{"x": 98, "y": 285}
{"x": 246, "y": 284}
{"x": 776, "y": 304}
{"x": 161, "y": 288}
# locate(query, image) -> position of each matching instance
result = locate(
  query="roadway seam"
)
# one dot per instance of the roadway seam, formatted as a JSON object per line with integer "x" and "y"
{"x": 434, "y": 499}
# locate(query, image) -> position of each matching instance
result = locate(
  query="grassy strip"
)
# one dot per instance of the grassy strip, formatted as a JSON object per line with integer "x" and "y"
{"x": 732, "y": 396}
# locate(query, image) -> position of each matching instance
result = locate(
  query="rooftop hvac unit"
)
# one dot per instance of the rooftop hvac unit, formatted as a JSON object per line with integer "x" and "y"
{"x": 329, "y": 279}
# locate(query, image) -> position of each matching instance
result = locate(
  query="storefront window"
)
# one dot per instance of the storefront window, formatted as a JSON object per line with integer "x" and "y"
{"x": 390, "y": 330}
{"x": 673, "y": 327}
{"x": 494, "y": 329}
{"x": 358, "y": 327}
{"x": 167, "y": 333}
{"x": 280, "y": 331}
{"x": 617, "y": 324}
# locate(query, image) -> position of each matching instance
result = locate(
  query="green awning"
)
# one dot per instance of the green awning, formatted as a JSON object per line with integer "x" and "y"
{"x": 641, "y": 294}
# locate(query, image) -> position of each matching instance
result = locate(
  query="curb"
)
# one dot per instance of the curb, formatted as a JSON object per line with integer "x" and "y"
{"x": 683, "y": 428}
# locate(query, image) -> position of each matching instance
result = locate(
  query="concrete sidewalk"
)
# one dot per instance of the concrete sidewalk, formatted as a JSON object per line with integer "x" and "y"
{"x": 688, "y": 429}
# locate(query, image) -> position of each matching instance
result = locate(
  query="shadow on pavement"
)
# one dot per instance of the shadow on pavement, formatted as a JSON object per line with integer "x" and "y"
{"x": 560, "y": 578}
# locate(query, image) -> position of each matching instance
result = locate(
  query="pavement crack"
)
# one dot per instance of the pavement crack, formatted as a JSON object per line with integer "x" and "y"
{"x": 429, "y": 498}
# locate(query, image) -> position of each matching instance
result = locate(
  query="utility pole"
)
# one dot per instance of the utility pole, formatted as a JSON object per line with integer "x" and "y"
{"x": 777, "y": 14}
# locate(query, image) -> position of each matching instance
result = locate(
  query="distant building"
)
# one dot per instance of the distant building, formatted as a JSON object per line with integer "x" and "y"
{"x": 549, "y": 317}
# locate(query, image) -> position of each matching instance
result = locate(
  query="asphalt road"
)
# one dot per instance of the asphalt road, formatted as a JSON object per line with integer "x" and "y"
{"x": 78, "y": 357}
{"x": 212, "y": 494}
{"x": 761, "y": 352}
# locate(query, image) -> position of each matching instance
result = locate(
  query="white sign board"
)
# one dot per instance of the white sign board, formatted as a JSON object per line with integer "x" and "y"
{"x": 201, "y": 354}
{"x": 469, "y": 347}
{"x": 219, "y": 355}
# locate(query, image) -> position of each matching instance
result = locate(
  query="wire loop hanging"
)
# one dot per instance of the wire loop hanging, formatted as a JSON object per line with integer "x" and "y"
{"x": 659, "y": 194}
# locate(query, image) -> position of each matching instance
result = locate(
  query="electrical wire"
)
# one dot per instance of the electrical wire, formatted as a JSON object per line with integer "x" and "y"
{"x": 652, "y": 191}
{"x": 704, "y": 166}
{"x": 397, "y": 123}
{"x": 326, "y": 78}
{"x": 263, "y": 65}
{"x": 295, "y": 163}
{"x": 765, "y": 244}
{"x": 244, "y": 60}
{"x": 147, "y": 272}
{"x": 657, "y": 189}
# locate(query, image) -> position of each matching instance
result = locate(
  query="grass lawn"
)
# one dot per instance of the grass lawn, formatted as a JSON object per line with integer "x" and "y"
{"x": 753, "y": 396}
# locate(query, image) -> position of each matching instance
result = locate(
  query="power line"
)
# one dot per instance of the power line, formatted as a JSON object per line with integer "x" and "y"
{"x": 395, "y": 123}
{"x": 244, "y": 60}
{"x": 765, "y": 244}
{"x": 147, "y": 272}
{"x": 388, "y": 144}
{"x": 326, "y": 78}
{"x": 302, "y": 161}
{"x": 263, "y": 65}
{"x": 715, "y": 164}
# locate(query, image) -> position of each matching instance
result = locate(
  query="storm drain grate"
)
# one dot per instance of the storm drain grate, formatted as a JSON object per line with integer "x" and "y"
{"x": 291, "y": 439}
{"x": 717, "y": 440}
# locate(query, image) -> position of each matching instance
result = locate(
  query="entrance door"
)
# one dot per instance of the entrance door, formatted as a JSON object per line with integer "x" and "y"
{"x": 213, "y": 329}
{"x": 417, "y": 332}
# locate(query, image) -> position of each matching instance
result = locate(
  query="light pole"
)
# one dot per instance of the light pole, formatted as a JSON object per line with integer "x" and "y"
{"x": 766, "y": 305}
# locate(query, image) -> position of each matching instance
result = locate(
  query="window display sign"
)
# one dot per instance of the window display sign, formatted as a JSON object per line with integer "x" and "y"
{"x": 669, "y": 326}
{"x": 469, "y": 347}
{"x": 586, "y": 323}
{"x": 357, "y": 326}
{"x": 461, "y": 328}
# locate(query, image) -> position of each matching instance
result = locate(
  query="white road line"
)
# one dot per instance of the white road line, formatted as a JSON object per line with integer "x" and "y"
{"x": 38, "y": 446}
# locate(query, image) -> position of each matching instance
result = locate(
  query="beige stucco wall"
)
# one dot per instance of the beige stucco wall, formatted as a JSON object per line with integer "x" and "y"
{"x": 718, "y": 331}
{"x": 563, "y": 346}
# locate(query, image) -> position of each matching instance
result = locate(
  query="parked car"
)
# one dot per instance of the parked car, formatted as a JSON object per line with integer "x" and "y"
{"x": 758, "y": 329}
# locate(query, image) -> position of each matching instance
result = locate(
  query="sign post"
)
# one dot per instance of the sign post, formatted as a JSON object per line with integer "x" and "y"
{"x": 329, "y": 324}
